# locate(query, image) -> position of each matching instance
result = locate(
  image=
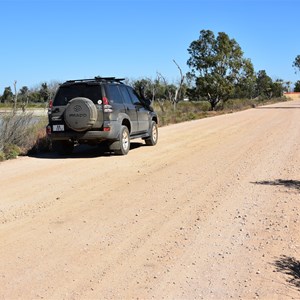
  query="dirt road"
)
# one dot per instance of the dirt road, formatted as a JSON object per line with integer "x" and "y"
{"x": 211, "y": 212}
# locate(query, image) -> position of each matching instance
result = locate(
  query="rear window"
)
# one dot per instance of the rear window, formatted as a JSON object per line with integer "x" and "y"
{"x": 67, "y": 93}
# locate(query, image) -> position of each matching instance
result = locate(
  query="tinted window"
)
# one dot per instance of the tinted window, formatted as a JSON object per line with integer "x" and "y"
{"x": 134, "y": 97}
{"x": 125, "y": 94}
{"x": 67, "y": 93}
{"x": 114, "y": 94}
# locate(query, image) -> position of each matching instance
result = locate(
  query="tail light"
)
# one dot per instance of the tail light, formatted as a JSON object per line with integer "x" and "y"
{"x": 105, "y": 101}
{"x": 107, "y": 107}
{"x": 48, "y": 130}
{"x": 50, "y": 107}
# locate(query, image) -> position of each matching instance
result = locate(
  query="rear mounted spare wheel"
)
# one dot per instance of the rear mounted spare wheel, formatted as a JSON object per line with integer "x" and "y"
{"x": 80, "y": 114}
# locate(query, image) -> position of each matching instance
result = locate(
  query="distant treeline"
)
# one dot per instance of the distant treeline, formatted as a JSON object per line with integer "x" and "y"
{"x": 218, "y": 71}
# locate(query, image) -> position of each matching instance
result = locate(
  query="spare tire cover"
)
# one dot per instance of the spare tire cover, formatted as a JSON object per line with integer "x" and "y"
{"x": 80, "y": 114}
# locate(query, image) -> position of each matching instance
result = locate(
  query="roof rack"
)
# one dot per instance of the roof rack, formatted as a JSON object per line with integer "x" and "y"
{"x": 109, "y": 78}
{"x": 97, "y": 78}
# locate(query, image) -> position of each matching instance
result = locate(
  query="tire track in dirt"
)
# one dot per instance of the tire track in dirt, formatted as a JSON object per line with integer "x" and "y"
{"x": 187, "y": 218}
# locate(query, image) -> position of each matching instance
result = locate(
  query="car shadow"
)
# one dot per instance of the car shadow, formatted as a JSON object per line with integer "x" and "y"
{"x": 292, "y": 184}
{"x": 83, "y": 151}
{"x": 290, "y": 267}
{"x": 278, "y": 107}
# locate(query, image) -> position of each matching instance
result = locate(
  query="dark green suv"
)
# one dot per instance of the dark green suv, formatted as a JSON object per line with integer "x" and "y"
{"x": 100, "y": 110}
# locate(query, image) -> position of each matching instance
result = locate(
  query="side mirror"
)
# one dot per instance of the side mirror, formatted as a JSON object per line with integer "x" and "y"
{"x": 147, "y": 102}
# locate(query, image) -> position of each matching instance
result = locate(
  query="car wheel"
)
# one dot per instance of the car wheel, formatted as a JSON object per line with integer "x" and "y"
{"x": 152, "y": 139}
{"x": 122, "y": 146}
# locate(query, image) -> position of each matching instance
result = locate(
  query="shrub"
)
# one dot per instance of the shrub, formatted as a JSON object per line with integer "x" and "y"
{"x": 41, "y": 144}
{"x": 14, "y": 129}
{"x": 19, "y": 133}
{"x": 11, "y": 151}
{"x": 2, "y": 156}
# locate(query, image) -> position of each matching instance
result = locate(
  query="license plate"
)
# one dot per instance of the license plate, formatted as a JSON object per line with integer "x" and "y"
{"x": 58, "y": 128}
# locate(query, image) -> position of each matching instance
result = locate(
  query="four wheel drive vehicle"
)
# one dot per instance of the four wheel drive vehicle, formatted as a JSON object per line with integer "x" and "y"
{"x": 100, "y": 110}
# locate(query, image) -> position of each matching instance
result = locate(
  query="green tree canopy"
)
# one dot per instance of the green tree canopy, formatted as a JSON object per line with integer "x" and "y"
{"x": 7, "y": 94}
{"x": 278, "y": 88}
{"x": 145, "y": 87}
{"x": 44, "y": 92}
{"x": 296, "y": 63}
{"x": 297, "y": 86}
{"x": 217, "y": 66}
{"x": 263, "y": 84}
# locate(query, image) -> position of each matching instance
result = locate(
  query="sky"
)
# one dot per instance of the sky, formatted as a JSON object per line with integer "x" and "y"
{"x": 58, "y": 40}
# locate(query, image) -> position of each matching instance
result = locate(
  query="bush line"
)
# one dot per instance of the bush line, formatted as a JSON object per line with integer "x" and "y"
{"x": 24, "y": 134}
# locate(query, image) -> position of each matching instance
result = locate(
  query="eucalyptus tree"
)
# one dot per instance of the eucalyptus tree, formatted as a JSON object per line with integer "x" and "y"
{"x": 297, "y": 86}
{"x": 7, "y": 94}
{"x": 264, "y": 85}
{"x": 23, "y": 93}
{"x": 217, "y": 66}
{"x": 44, "y": 92}
{"x": 296, "y": 63}
{"x": 24, "y": 96}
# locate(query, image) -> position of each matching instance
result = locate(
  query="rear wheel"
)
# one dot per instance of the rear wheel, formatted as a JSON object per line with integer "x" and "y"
{"x": 122, "y": 146}
{"x": 152, "y": 139}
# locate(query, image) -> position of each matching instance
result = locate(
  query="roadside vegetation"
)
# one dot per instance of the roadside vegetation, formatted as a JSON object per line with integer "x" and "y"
{"x": 21, "y": 134}
{"x": 220, "y": 80}
{"x": 190, "y": 110}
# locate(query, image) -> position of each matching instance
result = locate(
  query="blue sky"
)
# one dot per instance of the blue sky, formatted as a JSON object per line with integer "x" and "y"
{"x": 45, "y": 40}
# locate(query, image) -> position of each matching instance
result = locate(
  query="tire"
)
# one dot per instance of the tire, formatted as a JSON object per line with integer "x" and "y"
{"x": 80, "y": 114}
{"x": 153, "y": 137}
{"x": 63, "y": 147}
{"x": 122, "y": 146}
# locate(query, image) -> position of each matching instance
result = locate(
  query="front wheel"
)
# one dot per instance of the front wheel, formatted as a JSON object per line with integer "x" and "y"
{"x": 152, "y": 139}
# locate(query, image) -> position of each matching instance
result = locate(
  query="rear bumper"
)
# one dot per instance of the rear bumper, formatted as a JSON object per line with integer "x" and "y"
{"x": 86, "y": 136}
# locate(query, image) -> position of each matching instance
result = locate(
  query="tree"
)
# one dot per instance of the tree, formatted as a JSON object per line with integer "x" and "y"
{"x": 217, "y": 66}
{"x": 245, "y": 88}
{"x": 288, "y": 86}
{"x": 23, "y": 95}
{"x": 297, "y": 86}
{"x": 160, "y": 90}
{"x": 278, "y": 88}
{"x": 263, "y": 85}
{"x": 179, "y": 88}
{"x": 145, "y": 87}
{"x": 44, "y": 92}
{"x": 52, "y": 88}
{"x": 7, "y": 95}
{"x": 296, "y": 63}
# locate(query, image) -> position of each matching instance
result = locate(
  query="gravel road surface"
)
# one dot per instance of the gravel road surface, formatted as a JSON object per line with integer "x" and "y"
{"x": 210, "y": 212}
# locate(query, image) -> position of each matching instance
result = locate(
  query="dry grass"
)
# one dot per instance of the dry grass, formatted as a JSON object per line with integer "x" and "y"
{"x": 19, "y": 133}
{"x": 186, "y": 111}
